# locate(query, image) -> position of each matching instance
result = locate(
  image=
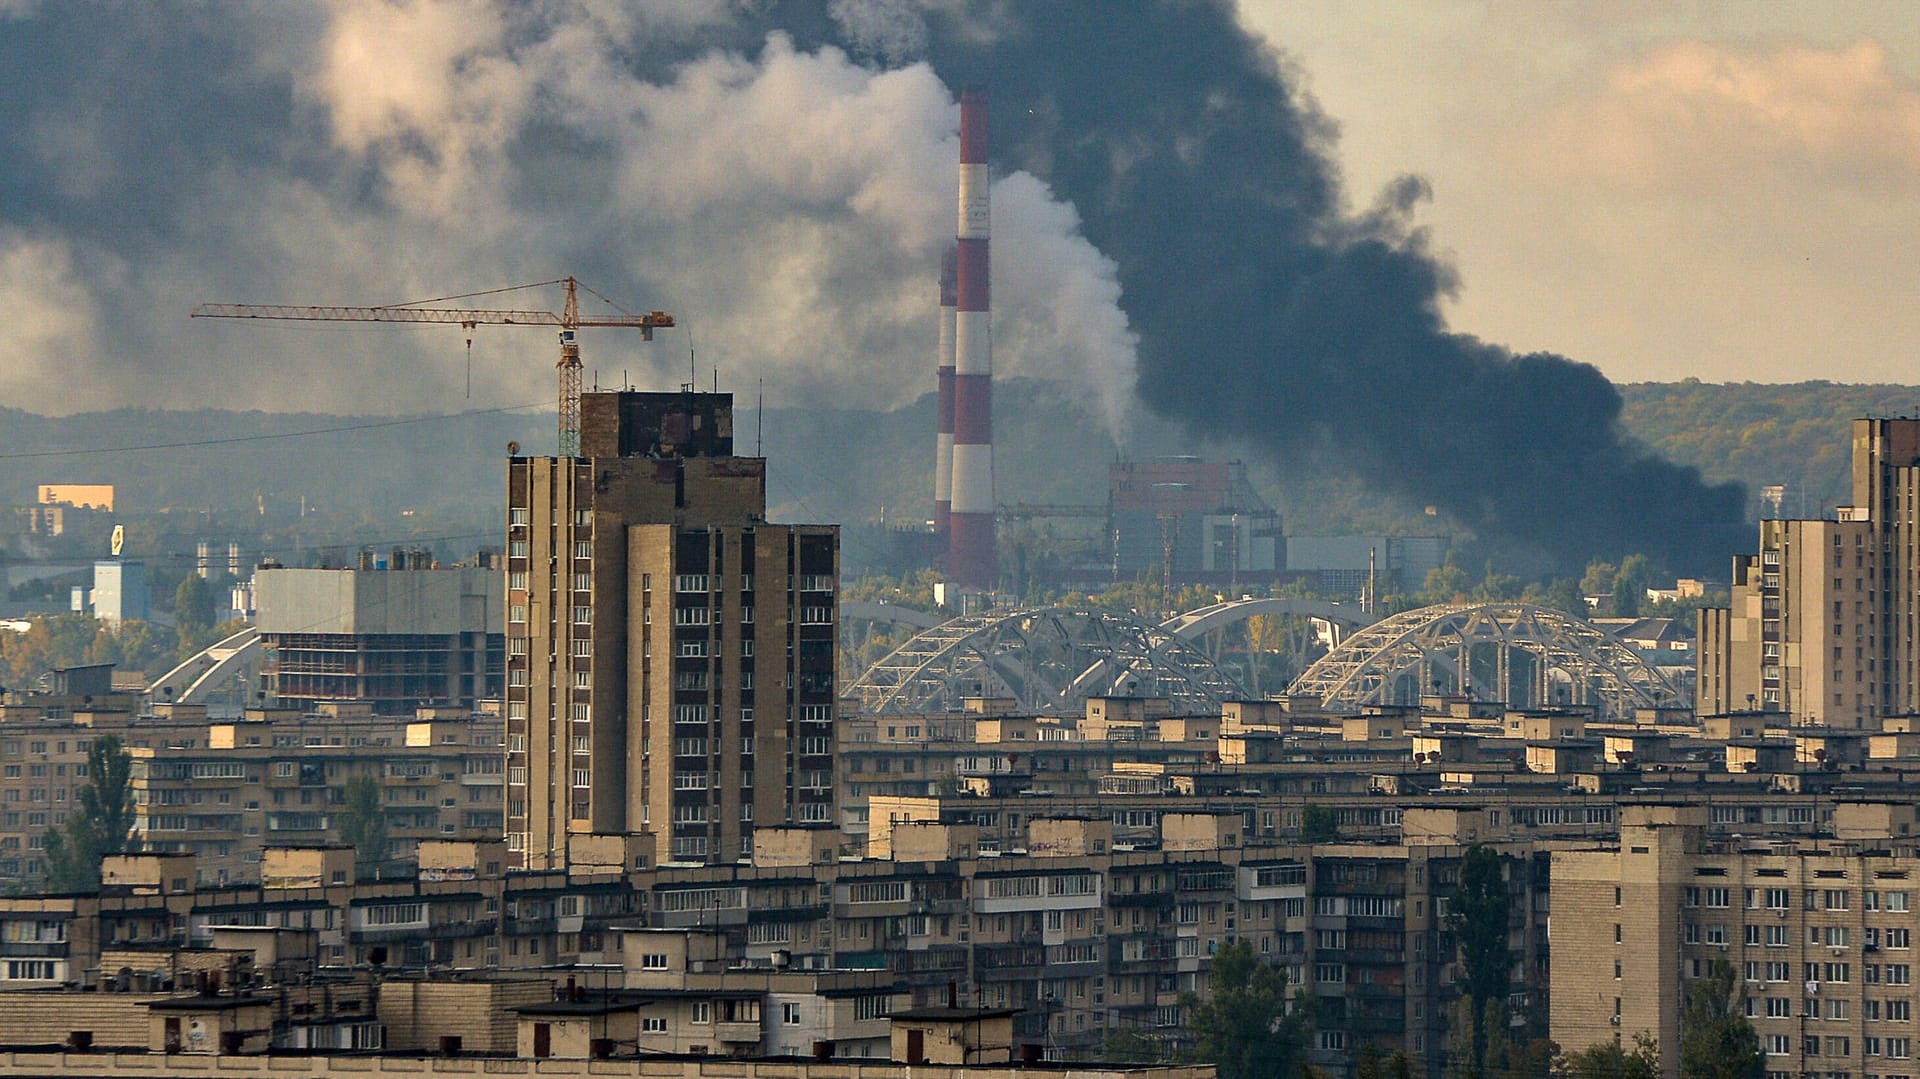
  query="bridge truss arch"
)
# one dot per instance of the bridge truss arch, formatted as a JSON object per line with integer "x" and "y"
{"x": 1526, "y": 656}
{"x": 1048, "y": 659}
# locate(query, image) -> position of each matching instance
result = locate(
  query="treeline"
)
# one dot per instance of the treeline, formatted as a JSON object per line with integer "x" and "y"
{"x": 1798, "y": 435}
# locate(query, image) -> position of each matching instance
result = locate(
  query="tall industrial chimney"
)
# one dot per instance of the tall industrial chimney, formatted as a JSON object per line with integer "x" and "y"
{"x": 970, "y": 554}
{"x": 943, "y": 439}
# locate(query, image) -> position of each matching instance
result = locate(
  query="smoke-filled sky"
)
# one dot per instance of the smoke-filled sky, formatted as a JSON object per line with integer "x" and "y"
{"x": 1723, "y": 192}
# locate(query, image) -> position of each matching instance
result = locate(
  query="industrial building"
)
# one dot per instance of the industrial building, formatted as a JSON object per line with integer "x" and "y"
{"x": 1349, "y": 565}
{"x": 1181, "y": 520}
{"x": 1822, "y": 624}
{"x": 670, "y": 655}
{"x": 393, "y": 639}
{"x": 120, "y": 592}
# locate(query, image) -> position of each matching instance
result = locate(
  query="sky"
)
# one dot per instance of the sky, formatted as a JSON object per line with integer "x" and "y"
{"x": 1718, "y": 191}
{"x": 1726, "y": 191}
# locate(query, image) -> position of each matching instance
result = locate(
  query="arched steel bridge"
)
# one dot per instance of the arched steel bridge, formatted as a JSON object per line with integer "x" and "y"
{"x": 1051, "y": 659}
{"x": 1523, "y": 655}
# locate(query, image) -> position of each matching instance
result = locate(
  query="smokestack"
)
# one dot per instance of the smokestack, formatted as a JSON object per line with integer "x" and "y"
{"x": 970, "y": 556}
{"x": 943, "y": 438}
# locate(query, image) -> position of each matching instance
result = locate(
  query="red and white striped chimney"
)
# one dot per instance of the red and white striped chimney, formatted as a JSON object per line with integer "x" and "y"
{"x": 970, "y": 554}
{"x": 943, "y": 414}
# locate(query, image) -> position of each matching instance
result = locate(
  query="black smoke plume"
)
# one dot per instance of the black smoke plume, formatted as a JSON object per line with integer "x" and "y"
{"x": 1268, "y": 312}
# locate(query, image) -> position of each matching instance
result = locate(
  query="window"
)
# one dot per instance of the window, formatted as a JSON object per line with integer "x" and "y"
{"x": 1779, "y": 1045}
{"x": 654, "y": 961}
{"x": 651, "y": 1024}
{"x": 790, "y": 1014}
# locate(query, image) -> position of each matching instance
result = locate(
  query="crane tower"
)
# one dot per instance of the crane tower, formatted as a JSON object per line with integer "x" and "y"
{"x": 568, "y": 321}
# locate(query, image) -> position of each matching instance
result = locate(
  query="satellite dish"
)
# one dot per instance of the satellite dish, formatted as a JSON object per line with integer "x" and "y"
{"x": 513, "y": 449}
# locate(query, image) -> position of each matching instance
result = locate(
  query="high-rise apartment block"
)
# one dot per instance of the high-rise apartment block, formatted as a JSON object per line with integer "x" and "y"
{"x": 670, "y": 654}
{"x": 1822, "y": 622}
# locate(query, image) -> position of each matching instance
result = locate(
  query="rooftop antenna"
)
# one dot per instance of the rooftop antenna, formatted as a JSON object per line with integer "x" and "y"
{"x": 693, "y": 378}
{"x": 759, "y": 413}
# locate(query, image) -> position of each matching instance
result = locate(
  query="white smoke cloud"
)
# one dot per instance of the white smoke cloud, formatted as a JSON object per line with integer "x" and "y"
{"x": 51, "y": 316}
{"x": 790, "y": 206}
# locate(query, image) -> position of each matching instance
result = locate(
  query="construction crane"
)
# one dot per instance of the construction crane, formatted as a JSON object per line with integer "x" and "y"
{"x": 568, "y": 320}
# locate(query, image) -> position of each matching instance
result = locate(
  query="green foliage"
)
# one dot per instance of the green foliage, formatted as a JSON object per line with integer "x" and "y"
{"x": 1246, "y": 1029}
{"x": 1446, "y": 583}
{"x": 69, "y": 640}
{"x": 1716, "y": 1040}
{"x": 1131, "y": 1045}
{"x": 1609, "y": 1060}
{"x": 101, "y": 822}
{"x": 363, "y": 824}
{"x": 1630, "y": 583}
{"x": 1758, "y": 433}
{"x": 193, "y": 614}
{"x": 1319, "y": 824}
{"x": 1478, "y": 915}
{"x": 1559, "y": 594}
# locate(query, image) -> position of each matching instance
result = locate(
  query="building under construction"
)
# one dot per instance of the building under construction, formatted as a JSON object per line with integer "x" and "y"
{"x": 396, "y": 638}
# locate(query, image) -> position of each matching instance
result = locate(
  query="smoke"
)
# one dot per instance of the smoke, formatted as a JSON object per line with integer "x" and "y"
{"x": 779, "y": 174}
{"x": 1267, "y": 311}
{"x": 787, "y": 203}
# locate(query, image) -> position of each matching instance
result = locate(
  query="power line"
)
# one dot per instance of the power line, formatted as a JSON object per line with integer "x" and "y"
{"x": 266, "y": 437}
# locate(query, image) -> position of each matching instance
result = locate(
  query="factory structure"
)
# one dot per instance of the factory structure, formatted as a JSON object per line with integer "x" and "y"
{"x": 963, "y": 470}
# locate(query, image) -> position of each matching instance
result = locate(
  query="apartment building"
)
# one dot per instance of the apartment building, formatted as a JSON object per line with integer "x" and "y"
{"x": 671, "y": 655}
{"x": 1822, "y": 620}
{"x": 1820, "y": 934}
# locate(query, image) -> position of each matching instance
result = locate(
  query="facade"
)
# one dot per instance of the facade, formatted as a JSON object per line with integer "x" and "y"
{"x": 1822, "y": 620}
{"x": 392, "y": 639}
{"x": 1820, "y": 936}
{"x": 120, "y": 592}
{"x": 1201, "y": 520}
{"x": 671, "y": 655}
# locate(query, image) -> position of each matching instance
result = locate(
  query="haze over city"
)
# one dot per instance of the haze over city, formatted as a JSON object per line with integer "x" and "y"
{"x": 1178, "y": 539}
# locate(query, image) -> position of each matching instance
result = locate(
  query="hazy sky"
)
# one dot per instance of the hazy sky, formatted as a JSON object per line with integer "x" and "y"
{"x": 1724, "y": 191}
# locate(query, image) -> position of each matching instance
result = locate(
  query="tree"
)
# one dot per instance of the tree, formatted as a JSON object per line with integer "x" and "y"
{"x": 1608, "y": 1060}
{"x": 1478, "y": 916}
{"x": 363, "y": 824}
{"x": 1247, "y": 1030}
{"x": 1630, "y": 584}
{"x": 1446, "y": 583}
{"x": 193, "y": 613}
{"x": 1716, "y": 1040}
{"x": 1560, "y": 594}
{"x": 101, "y": 822}
{"x": 1319, "y": 824}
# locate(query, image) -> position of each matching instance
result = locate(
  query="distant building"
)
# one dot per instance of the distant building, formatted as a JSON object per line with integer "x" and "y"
{"x": 120, "y": 592}
{"x": 1342, "y": 563}
{"x": 1195, "y": 520}
{"x": 671, "y": 655}
{"x": 394, "y": 639}
{"x": 85, "y": 496}
{"x": 1822, "y": 623}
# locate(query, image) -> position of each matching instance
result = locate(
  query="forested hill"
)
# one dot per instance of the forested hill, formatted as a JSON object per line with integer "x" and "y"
{"x": 1797, "y": 434}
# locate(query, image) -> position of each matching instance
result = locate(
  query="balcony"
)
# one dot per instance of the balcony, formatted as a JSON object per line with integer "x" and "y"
{"x": 737, "y": 1033}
